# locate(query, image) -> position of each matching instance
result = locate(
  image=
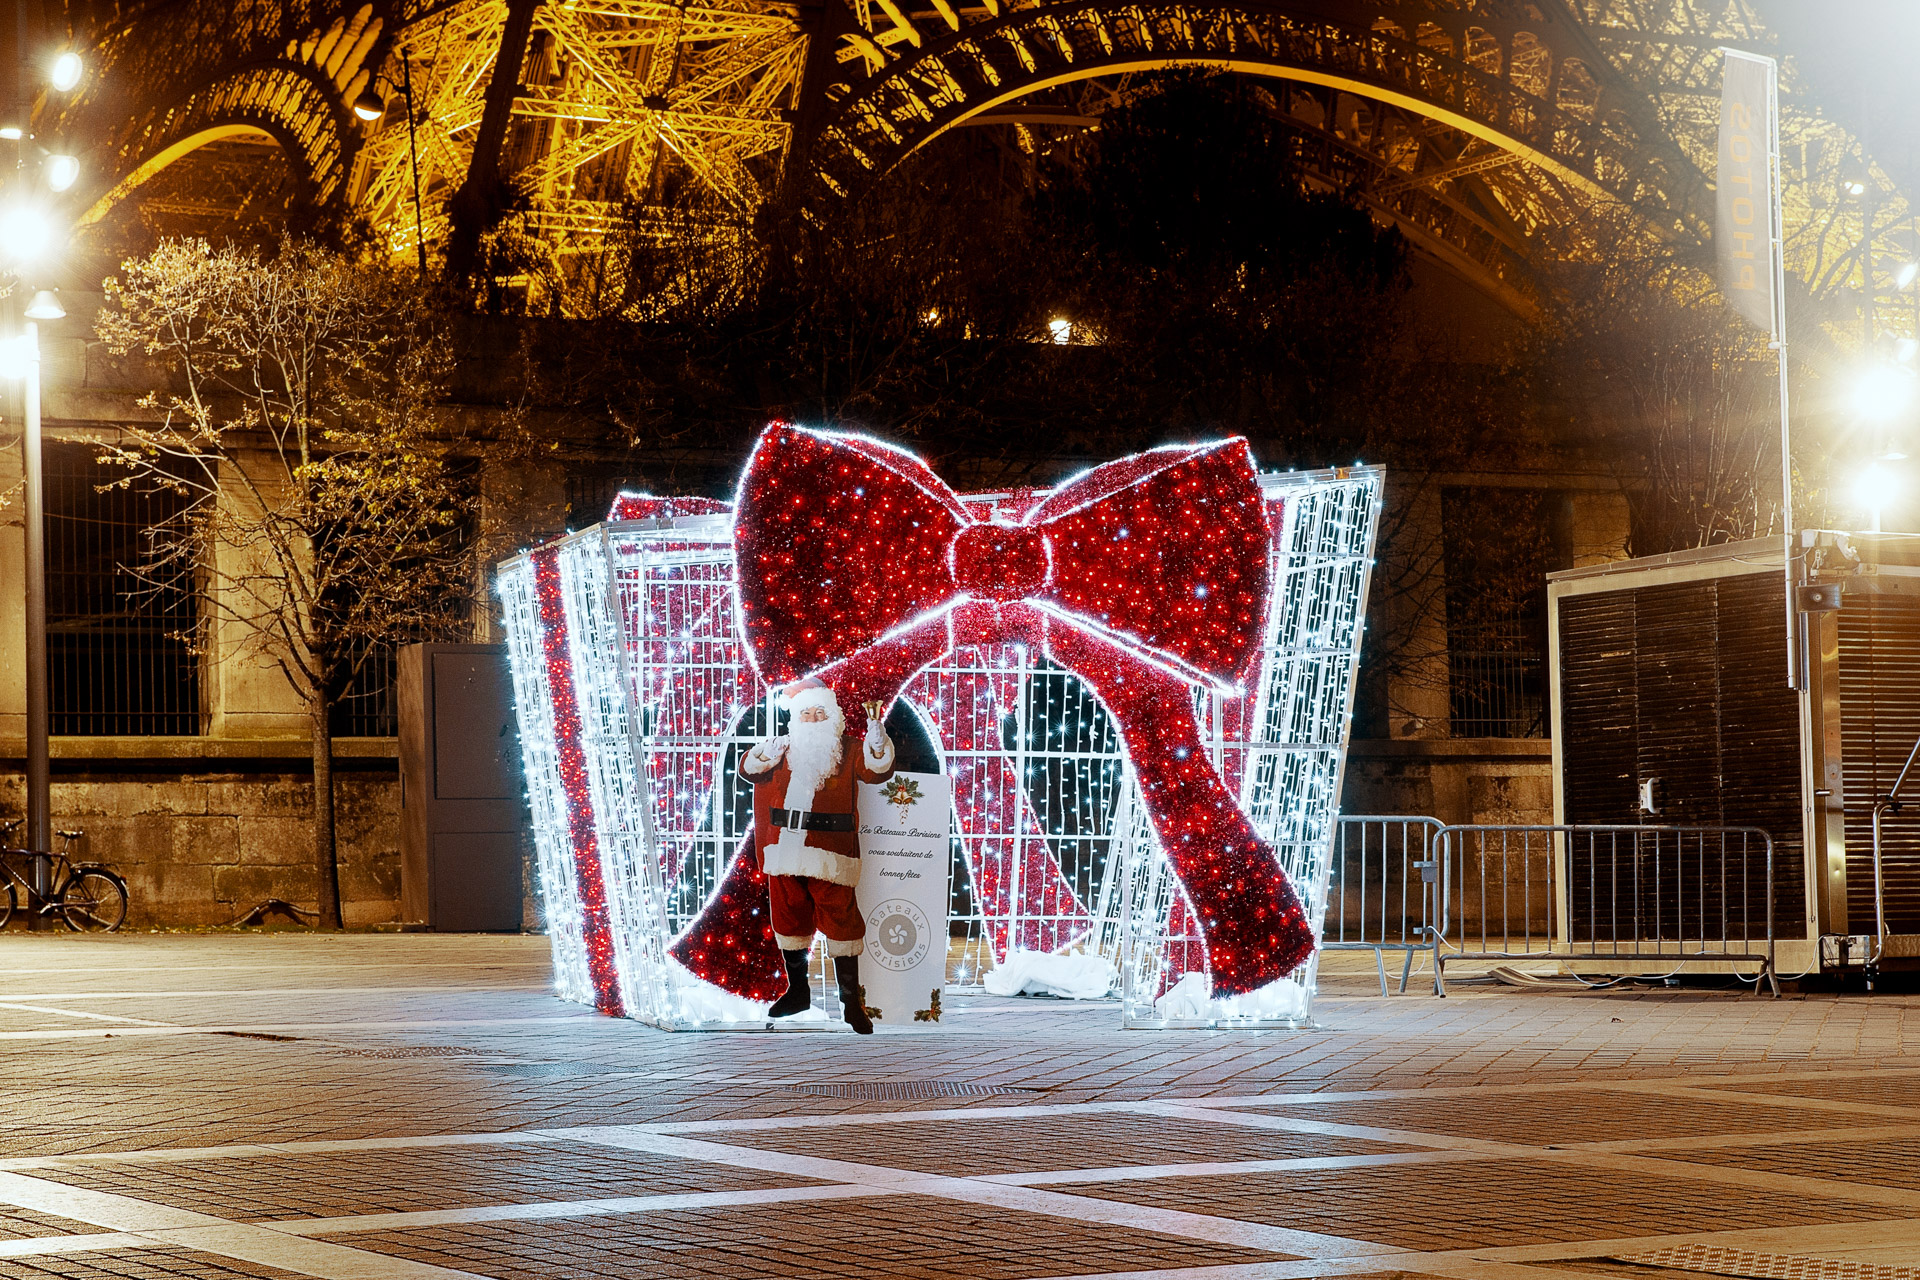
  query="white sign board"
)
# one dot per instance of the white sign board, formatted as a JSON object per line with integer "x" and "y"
{"x": 904, "y": 868}
{"x": 1744, "y": 234}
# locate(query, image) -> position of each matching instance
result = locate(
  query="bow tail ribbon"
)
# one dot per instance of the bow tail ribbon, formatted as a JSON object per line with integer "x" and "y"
{"x": 1255, "y": 925}
{"x": 1001, "y": 837}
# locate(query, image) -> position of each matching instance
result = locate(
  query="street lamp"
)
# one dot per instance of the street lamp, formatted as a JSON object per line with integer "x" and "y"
{"x": 1882, "y": 394}
{"x": 21, "y": 363}
{"x": 66, "y": 71}
{"x": 26, "y": 234}
{"x": 62, "y": 171}
{"x": 370, "y": 106}
{"x": 1875, "y": 489}
{"x": 29, "y": 233}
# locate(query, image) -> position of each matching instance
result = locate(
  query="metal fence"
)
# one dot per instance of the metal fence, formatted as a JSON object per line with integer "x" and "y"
{"x": 1383, "y": 891}
{"x": 117, "y": 662}
{"x": 1647, "y": 894}
{"x": 1497, "y": 680}
{"x": 368, "y": 709}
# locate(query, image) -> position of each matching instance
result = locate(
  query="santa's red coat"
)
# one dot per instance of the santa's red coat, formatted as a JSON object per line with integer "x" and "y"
{"x": 833, "y": 856}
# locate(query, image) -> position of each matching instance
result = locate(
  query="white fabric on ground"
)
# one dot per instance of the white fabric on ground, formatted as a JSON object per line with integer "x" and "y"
{"x": 1187, "y": 999}
{"x": 701, "y": 1001}
{"x": 1076, "y": 976}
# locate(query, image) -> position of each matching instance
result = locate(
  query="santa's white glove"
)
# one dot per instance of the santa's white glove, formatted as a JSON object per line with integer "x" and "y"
{"x": 772, "y": 749}
{"x": 878, "y": 746}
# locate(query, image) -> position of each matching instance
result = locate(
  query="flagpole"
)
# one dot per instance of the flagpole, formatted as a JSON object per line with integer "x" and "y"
{"x": 1795, "y": 650}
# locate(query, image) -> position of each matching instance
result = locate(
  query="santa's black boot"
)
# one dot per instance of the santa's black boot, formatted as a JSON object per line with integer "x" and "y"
{"x": 798, "y": 999}
{"x": 853, "y": 1005}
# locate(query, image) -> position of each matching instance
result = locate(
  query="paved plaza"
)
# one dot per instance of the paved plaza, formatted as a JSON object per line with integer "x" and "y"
{"x": 367, "y": 1107}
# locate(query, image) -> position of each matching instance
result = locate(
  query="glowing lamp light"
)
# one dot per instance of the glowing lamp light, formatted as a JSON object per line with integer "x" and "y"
{"x": 1855, "y": 187}
{"x": 11, "y": 132}
{"x": 26, "y": 233}
{"x": 46, "y": 306}
{"x": 1875, "y": 489}
{"x": 369, "y": 106}
{"x": 1882, "y": 394}
{"x": 1905, "y": 275}
{"x": 62, "y": 171}
{"x": 17, "y": 356}
{"x": 67, "y": 70}
{"x": 1060, "y": 331}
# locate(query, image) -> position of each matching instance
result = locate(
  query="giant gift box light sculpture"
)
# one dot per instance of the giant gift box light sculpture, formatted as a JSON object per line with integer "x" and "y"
{"x": 1212, "y": 614}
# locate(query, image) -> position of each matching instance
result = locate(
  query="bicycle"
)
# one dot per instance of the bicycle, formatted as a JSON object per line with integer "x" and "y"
{"x": 88, "y": 897}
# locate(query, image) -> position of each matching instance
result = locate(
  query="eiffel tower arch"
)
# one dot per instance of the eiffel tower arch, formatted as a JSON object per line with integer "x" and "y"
{"x": 286, "y": 74}
{"x": 1493, "y": 133}
{"x": 1472, "y": 129}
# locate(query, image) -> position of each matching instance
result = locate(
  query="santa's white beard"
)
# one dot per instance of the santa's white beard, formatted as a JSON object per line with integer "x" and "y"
{"x": 814, "y": 751}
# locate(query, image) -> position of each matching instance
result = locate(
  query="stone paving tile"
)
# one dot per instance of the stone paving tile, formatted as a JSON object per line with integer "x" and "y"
{"x": 1893, "y": 1091}
{"x": 972, "y": 1147}
{"x": 1548, "y": 1119}
{"x": 28, "y": 1224}
{"x": 482, "y": 1053}
{"x": 1509, "y": 1202}
{"x": 337, "y": 1184}
{"x": 1889, "y": 1163}
{"x": 859, "y": 1239}
{"x": 143, "y": 1264}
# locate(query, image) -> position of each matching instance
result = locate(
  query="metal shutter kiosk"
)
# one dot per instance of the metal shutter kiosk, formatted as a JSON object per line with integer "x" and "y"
{"x": 1671, "y": 706}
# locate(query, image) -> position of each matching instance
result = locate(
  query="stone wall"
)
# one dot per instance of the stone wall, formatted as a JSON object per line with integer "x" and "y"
{"x": 201, "y": 845}
{"x": 1457, "y": 780}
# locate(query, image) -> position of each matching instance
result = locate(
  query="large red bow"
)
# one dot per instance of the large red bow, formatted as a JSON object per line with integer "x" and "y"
{"x": 855, "y": 562}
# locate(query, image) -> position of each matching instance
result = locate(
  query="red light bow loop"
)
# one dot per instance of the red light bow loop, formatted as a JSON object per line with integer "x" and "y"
{"x": 1141, "y": 576}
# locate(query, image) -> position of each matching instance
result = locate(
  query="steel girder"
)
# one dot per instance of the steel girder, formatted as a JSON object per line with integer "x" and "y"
{"x": 1492, "y": 131}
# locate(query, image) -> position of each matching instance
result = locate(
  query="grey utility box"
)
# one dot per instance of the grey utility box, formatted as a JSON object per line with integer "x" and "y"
{"x": 460, "y": 789}
{"x": 1670, "y": 685}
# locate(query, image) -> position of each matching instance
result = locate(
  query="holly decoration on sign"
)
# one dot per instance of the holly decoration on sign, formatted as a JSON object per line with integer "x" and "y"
{"x": 902, "y": 792}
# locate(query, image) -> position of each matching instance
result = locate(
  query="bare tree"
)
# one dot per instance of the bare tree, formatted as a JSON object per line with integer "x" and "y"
{"x": 326, "y": 511}
{"x": 1645, "y": 363}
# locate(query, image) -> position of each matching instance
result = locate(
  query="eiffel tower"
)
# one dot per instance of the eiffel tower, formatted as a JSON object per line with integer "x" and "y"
{"x": 1495, "y": 134}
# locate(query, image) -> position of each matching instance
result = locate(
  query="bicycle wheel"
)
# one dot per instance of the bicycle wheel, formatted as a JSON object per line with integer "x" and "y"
{"x": 7, "y": 905}
{"x": 93, "y": 900}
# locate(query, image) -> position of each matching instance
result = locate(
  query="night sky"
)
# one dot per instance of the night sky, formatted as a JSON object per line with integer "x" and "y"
{"x": 1860, "y": 63}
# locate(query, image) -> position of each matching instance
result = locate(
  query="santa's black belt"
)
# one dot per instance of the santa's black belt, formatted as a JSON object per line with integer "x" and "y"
{"x": 808, "y": 820}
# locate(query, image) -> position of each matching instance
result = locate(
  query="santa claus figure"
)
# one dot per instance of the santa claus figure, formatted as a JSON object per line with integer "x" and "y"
{"x": 806, "y": 827}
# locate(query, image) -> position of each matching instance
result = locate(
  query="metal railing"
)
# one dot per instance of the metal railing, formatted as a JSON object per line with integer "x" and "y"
{"x": 1648, "y": 894}
{"x": 1382, "y": 891}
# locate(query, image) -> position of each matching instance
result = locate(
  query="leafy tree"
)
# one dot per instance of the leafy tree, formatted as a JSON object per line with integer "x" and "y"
{"x": 323, "y": 509}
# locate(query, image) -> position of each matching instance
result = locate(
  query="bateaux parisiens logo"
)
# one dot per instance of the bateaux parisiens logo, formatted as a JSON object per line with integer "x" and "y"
{"x": 902, "y": 934}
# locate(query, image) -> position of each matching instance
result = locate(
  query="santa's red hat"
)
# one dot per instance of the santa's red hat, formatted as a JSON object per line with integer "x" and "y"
{"x": 808, "y": 691}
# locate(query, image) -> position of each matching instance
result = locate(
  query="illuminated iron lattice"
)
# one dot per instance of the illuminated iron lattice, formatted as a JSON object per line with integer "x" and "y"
{"x": 1051, "y": 848}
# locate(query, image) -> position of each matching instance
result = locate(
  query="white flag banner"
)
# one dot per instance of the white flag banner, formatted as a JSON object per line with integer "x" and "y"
{"x": 905, "y": 864}
{"x": 1743, "y": 228}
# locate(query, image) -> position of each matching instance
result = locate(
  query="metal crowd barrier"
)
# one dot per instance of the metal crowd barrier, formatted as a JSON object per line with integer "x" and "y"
{"x": 1381, "y": 893}
{"x": 1649, "y": 894}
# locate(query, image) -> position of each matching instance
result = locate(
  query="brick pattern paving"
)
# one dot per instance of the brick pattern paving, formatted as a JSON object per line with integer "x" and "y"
{"x": 28, "y": 1224}
{"x": 147, "y": 1264}
{"x": 375, "y": 1038}
{"x": 337, "y": 1184}
{"x": 1889, "y": 1163}
{"x": 1898, "y": 1091}
{"x": 974, "y": 1147}
{"x": 1545, "y": 1119}
{"x": 880, "y": 1239}
{"x": 1510, "y": 1202}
